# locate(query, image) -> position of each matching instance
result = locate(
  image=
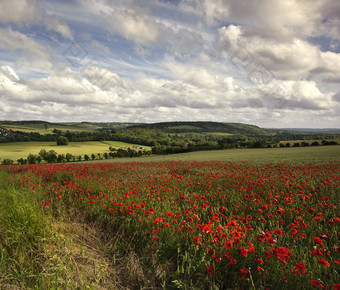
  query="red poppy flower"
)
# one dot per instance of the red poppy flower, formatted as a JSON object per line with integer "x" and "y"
{"x": 244, "y": 272}
{"x": 210, "y": 269}
{"x": 324, "y": 262}
{"x": 315, "y": 283}
{"x": 317, "y": 240}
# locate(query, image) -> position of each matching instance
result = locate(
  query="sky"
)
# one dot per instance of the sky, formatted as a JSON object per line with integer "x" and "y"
{"x": 270, "y": 63}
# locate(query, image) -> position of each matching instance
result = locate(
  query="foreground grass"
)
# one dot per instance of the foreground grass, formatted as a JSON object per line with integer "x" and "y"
{"x": 41, "y": 252}
{"x": 277, "y": 155}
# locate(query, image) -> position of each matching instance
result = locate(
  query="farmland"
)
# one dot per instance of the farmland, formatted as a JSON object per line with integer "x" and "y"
{"x": 317, "y": 154}
{"x": 171, "y": 224}
{"x": 17, "y": 150}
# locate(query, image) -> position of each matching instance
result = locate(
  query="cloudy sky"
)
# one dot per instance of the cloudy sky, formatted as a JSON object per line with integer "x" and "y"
{"x": 271, "y": 63}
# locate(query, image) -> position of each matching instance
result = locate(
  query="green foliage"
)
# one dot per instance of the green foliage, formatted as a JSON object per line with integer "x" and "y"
{"x": 7, "y": 161}
{"x": 37, "y": 251}
{"x": 62, "y": 140}
{"x": 49, "y": 156}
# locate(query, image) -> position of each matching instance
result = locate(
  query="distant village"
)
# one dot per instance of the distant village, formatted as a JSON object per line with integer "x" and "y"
{"x": 4, "y": 133}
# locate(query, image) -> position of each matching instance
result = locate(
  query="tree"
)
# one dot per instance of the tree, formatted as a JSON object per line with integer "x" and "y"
{"x": 68, "y": 157}
{"x": 62, "y": 140}
{"x": 60, "y": 158}
{"x": 22, "y": 161}
{"x": 43, "y": 154}
{"x": 32, "y": 159}
{"x": 57, "y": 132}
{"x": 51, "y": 156}
{"x": 48, "y": 156}
{"x": 86, "y": 157}
{"x": 7, "y": 161}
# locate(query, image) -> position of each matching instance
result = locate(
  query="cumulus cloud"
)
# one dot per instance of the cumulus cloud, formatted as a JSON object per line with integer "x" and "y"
{"x": 292, "y": 59}
{"x": 274, "y": 19}
{"x": 67, "y": 89}
{"x": 328, "y": 70}
{"x": 220, "y": 60}
{"x": 19, "y": 11}
{"x": 134, "y": 26}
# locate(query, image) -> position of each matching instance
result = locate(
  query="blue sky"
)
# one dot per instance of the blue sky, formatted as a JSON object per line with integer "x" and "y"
{"x": 263, "y": 62}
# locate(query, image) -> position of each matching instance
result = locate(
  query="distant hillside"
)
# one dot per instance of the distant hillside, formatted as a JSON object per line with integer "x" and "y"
{"x": 44, "y": 127}
{"x": 208, "y": 127}
{"x": 200, "y": 127}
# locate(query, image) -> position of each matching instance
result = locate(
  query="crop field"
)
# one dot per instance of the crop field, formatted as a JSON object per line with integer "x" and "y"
{"x": 319, "y": 154}
{"x": 16, "y": 150}
{"x": 172, "y": 224}
{"x": 119, "y": 144}
{"x": 42, "y": 129}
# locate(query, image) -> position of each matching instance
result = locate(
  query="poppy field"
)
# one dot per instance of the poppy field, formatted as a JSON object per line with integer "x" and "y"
{"x": 204, "y": 224}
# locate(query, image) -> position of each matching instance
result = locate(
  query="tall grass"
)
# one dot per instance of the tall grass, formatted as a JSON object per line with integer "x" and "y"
{"x": 37, "y": 251}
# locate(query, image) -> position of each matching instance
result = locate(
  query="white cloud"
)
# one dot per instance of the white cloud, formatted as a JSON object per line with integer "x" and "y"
{"x": 328, "y": 70}
{"x": 19, "y": 11}
{"x": 196, "y": 76}
{"x": 292, "y": 59}
{"x": 28, "y": 50}
{"x": 56, "y": 25}
{"x": 134, "y": 26}
{"x": 175, "y": 63}
{"x": 66, "y": 89}
{"x": 8, "y": 72}
{"x": 278, "y": 19}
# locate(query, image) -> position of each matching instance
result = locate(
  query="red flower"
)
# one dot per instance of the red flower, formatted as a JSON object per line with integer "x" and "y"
{"x": 281, "y": 211}
{"x": 228, "y": 244}
{"x": 244, "y": 273}
{"x": 315, "y": 283}
{"x": 283, "y": 254}
{"x": 317, "y": 240}
{"x": 210, "y": 269}
{"x": 324, "y": 262}
{"x": 232, "y": 262}
{"x": 301, "y": 266}
{"x": 243, "y": 251}
{"x": 259, "y": 261}
{"x": 279, "y": 232}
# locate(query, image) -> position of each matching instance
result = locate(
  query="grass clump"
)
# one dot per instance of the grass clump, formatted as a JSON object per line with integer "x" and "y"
{"x": 37, "y": 251}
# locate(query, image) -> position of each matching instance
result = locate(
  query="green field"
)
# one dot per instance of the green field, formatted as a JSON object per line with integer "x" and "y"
{"x": 297, "y": 154}
{"x": 18, "y": 150}
{"x": 119, "y": 144}
{"x": 42, "y": 129}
